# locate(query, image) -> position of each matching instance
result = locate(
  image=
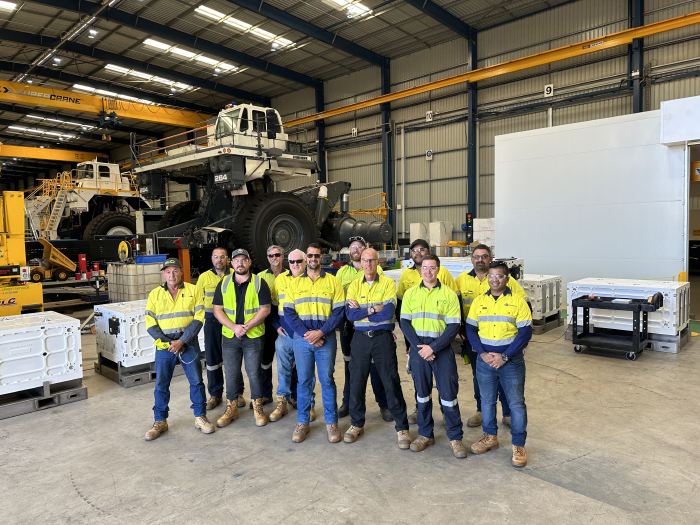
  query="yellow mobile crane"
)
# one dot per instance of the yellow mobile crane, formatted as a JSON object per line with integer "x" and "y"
{"x": 17, "y": 294}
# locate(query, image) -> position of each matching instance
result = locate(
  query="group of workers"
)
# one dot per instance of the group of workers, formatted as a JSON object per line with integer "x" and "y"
{"x": 294, "y": 314}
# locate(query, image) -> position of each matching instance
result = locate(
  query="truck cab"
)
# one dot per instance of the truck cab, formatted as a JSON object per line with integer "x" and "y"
{"x": 102, "y": 177}
{"x": 240, "y": 125}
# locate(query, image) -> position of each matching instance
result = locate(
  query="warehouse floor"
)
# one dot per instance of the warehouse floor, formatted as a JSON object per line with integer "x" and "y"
{"x": 610, "y": 441}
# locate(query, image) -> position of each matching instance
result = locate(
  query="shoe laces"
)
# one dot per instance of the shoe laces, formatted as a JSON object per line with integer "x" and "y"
{"x": 403, "y": 433}
{"x": 203, "y": 419}
{"x": 422, "y": 438}
{"x": 353, "y": 429}
{"x": 518, "y": 451}
{"x": 485, "y": 440}
{"x": 333, "y": 426}
{"x": 158, "y": 424}
{"x": 300, "y": 428}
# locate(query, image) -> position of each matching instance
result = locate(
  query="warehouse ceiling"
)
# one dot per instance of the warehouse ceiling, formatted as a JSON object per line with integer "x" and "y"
{"x": 208, "y": 49}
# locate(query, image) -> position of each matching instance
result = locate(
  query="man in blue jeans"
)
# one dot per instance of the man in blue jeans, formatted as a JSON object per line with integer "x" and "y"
{"x": 313, "y": 308}
{"x": 174, "y": 317}
{"x": 499, "y": 326}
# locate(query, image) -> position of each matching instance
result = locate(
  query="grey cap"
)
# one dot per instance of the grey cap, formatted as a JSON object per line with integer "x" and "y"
{"x": 171, "y": 262}
{"x": 240, "y": 251}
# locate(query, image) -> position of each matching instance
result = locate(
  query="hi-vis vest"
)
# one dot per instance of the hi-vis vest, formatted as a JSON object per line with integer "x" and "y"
{"x": 252, "y": 305}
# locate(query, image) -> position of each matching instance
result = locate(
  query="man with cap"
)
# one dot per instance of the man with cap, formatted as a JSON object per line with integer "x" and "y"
{"x": 207, "y": 283}
{"x": 241, "y": 304}
{"x": 174, "y": 317}
{"x": 411, "y": 277}
{"x": 347, "y": 274}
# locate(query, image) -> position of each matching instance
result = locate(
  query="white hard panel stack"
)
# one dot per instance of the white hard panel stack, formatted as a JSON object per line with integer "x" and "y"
{"x": 37, "y": 348}
{"x": 664, "y": 324}
{"x": 457, "y": 265}
{"x": 440, "y": 233}
{"x": 418, "y": 230}
{"x": 544, "y": 292}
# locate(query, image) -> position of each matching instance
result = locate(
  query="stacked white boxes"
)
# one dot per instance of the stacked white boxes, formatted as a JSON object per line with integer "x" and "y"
{"x": 38, "y": 348}
{"x": 121, "y": 334}
{"x": 485, "y": 232}
{"x": 395, "y": 275}
{"x": 132, "y": 282}
{"x": 544, "y": 292}
{"x": 665, "y": 325}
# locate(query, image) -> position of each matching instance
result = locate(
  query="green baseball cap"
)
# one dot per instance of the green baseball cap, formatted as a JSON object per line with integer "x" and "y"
{"x": 171, "y": 262}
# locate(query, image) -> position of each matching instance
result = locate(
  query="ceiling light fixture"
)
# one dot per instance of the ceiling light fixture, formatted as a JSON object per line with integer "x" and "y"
{"x": 156, "y": 44}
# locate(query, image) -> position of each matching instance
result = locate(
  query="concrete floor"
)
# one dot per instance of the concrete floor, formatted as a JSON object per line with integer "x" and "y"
{"x": 610, "y": 441}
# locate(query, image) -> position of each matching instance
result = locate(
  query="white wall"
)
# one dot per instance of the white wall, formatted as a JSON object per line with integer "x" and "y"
{"x": 593, "y": 199}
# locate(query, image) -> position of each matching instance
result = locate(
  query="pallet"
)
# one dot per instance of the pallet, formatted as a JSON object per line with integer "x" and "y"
{"x": 540, "y": 326}
{"x": 43, "y": 397}
{"x": 130, "y": 376}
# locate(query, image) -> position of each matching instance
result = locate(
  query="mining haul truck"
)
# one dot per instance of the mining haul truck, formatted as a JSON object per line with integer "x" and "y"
{"x": 243, "y": 153}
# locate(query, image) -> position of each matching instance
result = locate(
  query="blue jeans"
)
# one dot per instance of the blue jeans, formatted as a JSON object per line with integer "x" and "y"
{"x": 477, "y": 395}
{"x": 165, "y": 366}
{"x": 512, "y": 377}
{"x": 234, "y": 350}
{"x": 306, "y": 355}
{"x": 284, "y": 348}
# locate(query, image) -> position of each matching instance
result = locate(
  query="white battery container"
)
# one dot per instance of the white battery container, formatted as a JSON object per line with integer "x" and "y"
{"x": 37, "y": 348}
{"x": 121, "y": 334}
{"x": 669, "y": 320}
{"x": 544, "y": 292}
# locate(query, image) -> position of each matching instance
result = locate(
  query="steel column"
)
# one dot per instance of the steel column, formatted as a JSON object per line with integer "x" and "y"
{"x": 472, "y": 173}
{"x": 321, "y": 134}
{"x": 637, "y": 15}
{"x": 387, "y": 184}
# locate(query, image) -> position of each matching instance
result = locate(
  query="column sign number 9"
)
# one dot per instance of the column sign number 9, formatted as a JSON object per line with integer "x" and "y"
{"x": 549, "y": 90}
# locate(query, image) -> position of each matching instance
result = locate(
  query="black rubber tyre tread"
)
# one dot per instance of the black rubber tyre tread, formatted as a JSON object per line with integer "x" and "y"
{"x": 61, "y": 275}
{"x": 181, "y": 212}
{"x": 101, "y": 223}
{"x": 34, "y": 273}
{"x": 249, "y": 228}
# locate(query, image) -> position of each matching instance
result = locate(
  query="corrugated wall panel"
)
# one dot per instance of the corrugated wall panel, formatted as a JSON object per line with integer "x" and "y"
{"x": 687, "y": 87}
{"x": 367, "y": 124}
{"x": 658, "y": 10}
{"x": 614, "y": 107}
{"x": 295, "y": 104}
{"x": 355, "y": 87}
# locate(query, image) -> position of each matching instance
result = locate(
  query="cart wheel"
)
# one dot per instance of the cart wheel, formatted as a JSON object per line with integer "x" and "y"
{"x": 578, "y": 349}
{"x": 631, "y": 356}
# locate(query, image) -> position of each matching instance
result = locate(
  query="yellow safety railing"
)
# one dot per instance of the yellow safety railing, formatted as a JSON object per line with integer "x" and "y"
{"x": 380, "y": 211}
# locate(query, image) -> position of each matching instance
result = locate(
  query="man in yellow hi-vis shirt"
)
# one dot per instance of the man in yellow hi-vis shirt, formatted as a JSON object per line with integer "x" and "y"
{"x": 499, "y": 327}
{"x": 174, "y": 317}
{"x": 430, "y": 320}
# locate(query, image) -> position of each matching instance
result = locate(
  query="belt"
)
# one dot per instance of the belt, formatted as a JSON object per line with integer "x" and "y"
{"x": 372, "y": 333}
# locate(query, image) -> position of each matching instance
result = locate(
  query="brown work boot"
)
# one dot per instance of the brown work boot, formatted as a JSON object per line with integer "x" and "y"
{"x": 458, "y": 449}
{"x": 300, "y": 433}
{"x": 486, "y": 443}
{"x": 280, "y": 411}
{"x": 241, "y": 401}
{"x": 312, "y": 414}
{"x": 413, "y": 417}
{"x": 265, "y": 401}
{"x": 353, "y": 433}
{"x": 419, "y": 444}
{"x": 474, "y": 421}
{"x": 203, "y": 424}
{"x": 157, "y": 429}
{"x": 213, "y": 402}
{"x": 333, "y": 433}
{"x": 229, "y": 416}
{"x": 519, "y": 457}
{"x": 260, "y": 417}
{"x": 404, "y": 439}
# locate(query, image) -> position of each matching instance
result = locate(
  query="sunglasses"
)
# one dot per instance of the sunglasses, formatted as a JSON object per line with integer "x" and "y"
{"x": 314, "y": 255}
{"x": 296, "y": 261}
{"x": 274, "y": 255}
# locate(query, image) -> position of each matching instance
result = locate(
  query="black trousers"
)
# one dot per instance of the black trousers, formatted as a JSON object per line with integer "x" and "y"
{"x": 382, "y": 349}
{"x": 268, "y": 355}
{"x": 347, "y": 330}
{"x": 215, "y": 360}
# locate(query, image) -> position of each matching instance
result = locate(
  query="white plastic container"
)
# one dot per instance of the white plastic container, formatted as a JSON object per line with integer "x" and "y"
{"x": 485, "y": 231}
{"x": 121, "y": 334}
{"x": 440, "y": 233}
{"x": 544, "y": 292}
{"x": 37, "y": 348}
{"x": 669, "y": 320}
{"x": 132, "y": 282}
{"x": 418, "y": 230}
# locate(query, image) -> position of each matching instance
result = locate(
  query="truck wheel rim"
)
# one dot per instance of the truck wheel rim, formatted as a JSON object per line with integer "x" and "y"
{"x": 285, "y": 231}
{"x": 119, "y": 230}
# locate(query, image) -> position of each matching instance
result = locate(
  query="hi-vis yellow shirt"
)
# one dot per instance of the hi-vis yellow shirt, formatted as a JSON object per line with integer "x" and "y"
{"x": 470, "y": 287}
{"x": 411, "y": 277}
{"x": 174, "y": 316}
{"x": 382, "y": 291}
{"x": 207, "y": 283}
{"x": 270, "y": 279}
{"x": 348, "y": 274}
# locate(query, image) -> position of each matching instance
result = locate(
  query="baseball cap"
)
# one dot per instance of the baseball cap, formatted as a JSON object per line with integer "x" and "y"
{"x": 171, "y": 262}
{"x": 420, "y": 242}
{"x": 240, "y": 251}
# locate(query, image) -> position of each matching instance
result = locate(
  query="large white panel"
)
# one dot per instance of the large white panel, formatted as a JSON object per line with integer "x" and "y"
{"x": 679, "y": 120}
{"x": 601, "y": 192}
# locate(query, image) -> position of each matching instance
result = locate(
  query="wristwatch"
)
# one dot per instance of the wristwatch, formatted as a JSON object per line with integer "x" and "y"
{"x": 505, "y": 357}
{"x": 372, "y": 310}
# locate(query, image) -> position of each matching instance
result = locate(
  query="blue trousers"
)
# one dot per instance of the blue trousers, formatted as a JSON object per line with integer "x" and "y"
{"x": 307, "y": 357}
{"x": 477, "y": 395}
{"x": 286, "y": 370}
{"x": 512, "y": 377}
{"x": 444, "y": 368}
{"x": 165, "y": 366}
{"x": 347, "y": 331}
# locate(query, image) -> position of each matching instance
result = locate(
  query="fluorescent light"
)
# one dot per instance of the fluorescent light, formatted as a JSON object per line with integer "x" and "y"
{"x": 17, "y": 128}
{"x": 162, "y": 80}
{"x": 143, "y": 101}
{"x": 207, "y": 60}
{"x": 262, "y": 33}
{"x": 93, "y": 32}
{"x": 119, "y": 69}
{"x": 84, "y": 88}
{"x": 156, "y": 44}
{"x": 182, "y": 86}
{"x": 68, "y": 136}
{"x": 182, "y": 52}
{"x": 238, "y": 24}
{"x": 55, "y": 120}
{"x": 138, "y": 74}
{"x": 211, "y": 13}
{"x": 106, "y": 93}
{"x": 52, "y": 133}
{"x": 31, "y": 130}
{"x": 8, "y": 6}
{"x": 76, "y": 124}
{"x": 34, "y": 116}
{"x": 226, "y": 67}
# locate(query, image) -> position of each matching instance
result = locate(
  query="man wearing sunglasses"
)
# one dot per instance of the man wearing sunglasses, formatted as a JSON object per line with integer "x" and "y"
{"x": 430, "y": 319}
{"x": 347, "y": 274}
{"x": 472, "y": 284}
{"x": 499, "y": 326}
{"x": 411, "y": 277}
{"x": 287, "y": 380}
{"x": 274, "y": 258}
{"x": 313, "y": 308}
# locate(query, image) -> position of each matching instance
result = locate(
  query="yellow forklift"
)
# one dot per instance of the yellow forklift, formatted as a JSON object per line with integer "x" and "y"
{"x": 17, "y": 294}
